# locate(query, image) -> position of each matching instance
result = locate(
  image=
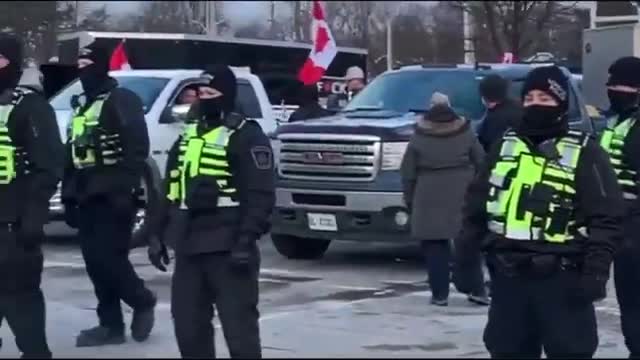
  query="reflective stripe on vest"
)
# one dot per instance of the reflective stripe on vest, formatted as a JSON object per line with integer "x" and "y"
{"x": 612, "y": 141}
{"x": 84, "y": 128}
{"x": 514, "y": 175}
{"x": 205, "y": 155}
{"x": 10, "y": 155}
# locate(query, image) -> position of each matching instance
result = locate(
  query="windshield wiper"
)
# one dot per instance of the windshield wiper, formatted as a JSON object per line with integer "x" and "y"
{"x": 364, "y": 108}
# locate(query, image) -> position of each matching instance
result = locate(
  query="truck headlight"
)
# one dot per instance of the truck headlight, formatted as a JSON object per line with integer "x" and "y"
{"x": 392, "y": 153}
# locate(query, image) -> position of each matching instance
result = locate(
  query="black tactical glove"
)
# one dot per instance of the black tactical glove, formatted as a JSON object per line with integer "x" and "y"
{"x": 590, "y": 288}
{"x": 158, "y": 254}
{"x": 241, "y": 253}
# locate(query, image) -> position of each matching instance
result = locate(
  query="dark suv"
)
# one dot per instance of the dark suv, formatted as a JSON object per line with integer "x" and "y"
{"x": 338, "y": 177}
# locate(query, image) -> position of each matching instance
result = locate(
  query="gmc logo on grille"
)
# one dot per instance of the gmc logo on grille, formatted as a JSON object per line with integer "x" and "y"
{"x": 323, "y": 158}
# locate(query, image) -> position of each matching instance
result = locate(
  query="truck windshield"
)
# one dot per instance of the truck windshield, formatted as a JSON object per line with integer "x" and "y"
{"x": 147, "y": 88}
{"x": 407, "y": 91}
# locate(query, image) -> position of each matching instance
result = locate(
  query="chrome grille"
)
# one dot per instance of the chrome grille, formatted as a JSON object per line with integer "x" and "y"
{"x": 328, "y": 157}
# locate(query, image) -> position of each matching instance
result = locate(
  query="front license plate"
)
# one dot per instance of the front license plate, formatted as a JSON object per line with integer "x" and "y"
{"x": 322, "y": 222}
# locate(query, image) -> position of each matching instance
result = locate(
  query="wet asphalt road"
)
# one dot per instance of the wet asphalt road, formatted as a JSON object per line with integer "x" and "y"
{"x": 360, "y": 300}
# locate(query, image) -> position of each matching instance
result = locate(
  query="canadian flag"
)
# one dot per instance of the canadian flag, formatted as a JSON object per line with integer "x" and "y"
{"x": 324, "y": 48}
{"x": 119, "y": 60}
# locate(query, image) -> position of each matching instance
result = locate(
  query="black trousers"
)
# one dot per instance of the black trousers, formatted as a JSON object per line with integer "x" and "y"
{"x": 201, "y": 280}
{"x": 21, "y": 300}
{"x": 627, "y": 279}
{"x": 528, "y": 314}
{"x": 105, "y": 234}
{"x": 437, "y": 254}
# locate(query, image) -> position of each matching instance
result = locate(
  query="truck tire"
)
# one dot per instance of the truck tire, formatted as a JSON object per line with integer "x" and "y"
{"x": 149, "y": 201}
{"x": 293, "y": 247}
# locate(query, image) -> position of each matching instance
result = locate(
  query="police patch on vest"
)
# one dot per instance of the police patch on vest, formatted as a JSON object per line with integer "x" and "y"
{"x": 261, "y": 157}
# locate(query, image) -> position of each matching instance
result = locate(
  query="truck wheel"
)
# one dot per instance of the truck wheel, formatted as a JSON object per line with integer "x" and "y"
{"x": 293, "y": 247}
{"x": 147, "y": 203}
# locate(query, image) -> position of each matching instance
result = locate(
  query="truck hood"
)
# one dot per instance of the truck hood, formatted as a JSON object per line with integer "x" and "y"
{"x": 63, "y": 117}
{"x": 397, "y": 128}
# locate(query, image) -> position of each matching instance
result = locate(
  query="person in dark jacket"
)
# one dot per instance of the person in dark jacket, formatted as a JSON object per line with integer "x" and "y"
{"x": 309, "y": 107}
{"x": 502, "y": 112}
{"x": 220, "y": 194}
{"x": 549, "y": 244}
{"x": 443, "y": 153}
{"x": 621, "y": 139}
{"x": 107, "y": 149}
{"x": 31, "y": 162}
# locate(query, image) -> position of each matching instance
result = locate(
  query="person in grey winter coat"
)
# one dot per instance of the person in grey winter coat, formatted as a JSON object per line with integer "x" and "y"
{"x": 438, "y": 165}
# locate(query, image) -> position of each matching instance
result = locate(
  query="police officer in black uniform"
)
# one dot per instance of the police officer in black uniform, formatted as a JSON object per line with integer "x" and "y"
{"x": 621, "y": 139}
{"x": 31, "y": 162}
{"x": 547, "y": 211}
{"x": 220, "y": 195}
{"x": 107, "y": 149}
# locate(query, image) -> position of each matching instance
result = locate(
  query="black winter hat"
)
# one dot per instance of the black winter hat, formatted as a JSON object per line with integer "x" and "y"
{"x": 494, "y": 88}
{"x": 223, "y": 80}
{"x": 11, "y": 48}
{"x": 552, "y": 81}
{"x": 625, "y": 71}
{"x": 100, "y": 56}
{"x": 441, "y": 113}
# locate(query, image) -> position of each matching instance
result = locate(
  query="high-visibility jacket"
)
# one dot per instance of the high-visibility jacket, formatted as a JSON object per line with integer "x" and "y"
{"x": 512, "y": 180}
{"x": 203, "y": 155}
{"x": 13, "y": 159}
{"x": 90, "y": 144}
{"x": 612, "y": 141}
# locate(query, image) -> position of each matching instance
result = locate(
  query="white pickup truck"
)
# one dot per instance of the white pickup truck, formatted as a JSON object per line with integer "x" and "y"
{"x": 159, "y": 91}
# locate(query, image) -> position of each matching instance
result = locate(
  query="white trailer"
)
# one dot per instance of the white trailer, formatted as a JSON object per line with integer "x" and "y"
{"x": 601, "y": 47}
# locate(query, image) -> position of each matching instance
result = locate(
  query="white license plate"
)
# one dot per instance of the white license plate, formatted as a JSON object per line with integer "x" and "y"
{"x": 322, "y": 222}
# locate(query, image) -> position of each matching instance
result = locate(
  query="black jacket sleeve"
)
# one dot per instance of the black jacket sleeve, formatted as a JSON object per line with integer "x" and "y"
{"x": 632, "y": 157}
{"x": 125, "y": 116}
{"x": 252, "y": 164}
{"x": 38, "y": 129}
{"x": 474, "y": 228}
{"x": 600, "y": 203}
{"x": 161, "y": 216}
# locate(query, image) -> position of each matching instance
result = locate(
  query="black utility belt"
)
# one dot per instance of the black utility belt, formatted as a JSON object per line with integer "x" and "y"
{"x": 515, "y": 264}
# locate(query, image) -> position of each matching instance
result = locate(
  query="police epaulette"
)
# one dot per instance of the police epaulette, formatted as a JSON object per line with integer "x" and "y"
{"x": 19, "y": 93}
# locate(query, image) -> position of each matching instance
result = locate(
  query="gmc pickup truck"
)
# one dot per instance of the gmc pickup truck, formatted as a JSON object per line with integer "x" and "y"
{"x": 338, "y": 177}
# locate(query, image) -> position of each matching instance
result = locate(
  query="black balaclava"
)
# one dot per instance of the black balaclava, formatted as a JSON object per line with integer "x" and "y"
{"x": 11, "y": 49}
{"x": 214, "y": 110}
{"x": 545, "y": 122}
{"x": 624, "y": 71}
{"x": 94, "y": 76}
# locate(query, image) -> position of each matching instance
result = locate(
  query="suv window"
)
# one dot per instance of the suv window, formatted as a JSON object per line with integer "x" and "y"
{"x": 409, "y": 90}
{"x": 247, "y": 102}
{"x": 147, "y": 88}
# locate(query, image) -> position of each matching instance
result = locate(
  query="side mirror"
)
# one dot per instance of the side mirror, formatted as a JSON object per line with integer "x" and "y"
{"x": 177, "y": 113}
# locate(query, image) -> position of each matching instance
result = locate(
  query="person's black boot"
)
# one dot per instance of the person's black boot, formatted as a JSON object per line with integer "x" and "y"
{"x": 143, "y": 321}
{"x": 100, "y": 336}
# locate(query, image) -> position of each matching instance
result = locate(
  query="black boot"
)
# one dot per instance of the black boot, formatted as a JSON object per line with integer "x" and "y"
{"x": 99, "y": 336}
{"x": 143, "y": 321}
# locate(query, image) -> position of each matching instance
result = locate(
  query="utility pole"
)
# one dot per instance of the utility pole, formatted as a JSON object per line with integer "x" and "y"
{"x": 390, "y": 43}
{"x": 469, "y": 49}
